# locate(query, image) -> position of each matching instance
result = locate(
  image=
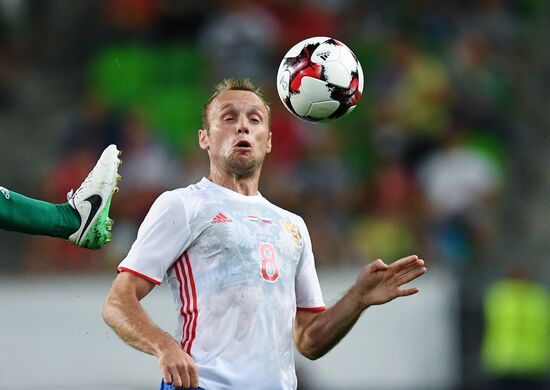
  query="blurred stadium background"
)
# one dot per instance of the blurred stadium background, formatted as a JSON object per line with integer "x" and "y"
{"x": 446, "y": 156}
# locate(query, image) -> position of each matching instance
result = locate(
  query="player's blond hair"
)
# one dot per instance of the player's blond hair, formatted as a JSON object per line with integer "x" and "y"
{"x": 233, "y": 85}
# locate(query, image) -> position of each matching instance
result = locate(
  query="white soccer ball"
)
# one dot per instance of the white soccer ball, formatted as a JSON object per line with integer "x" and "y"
{"x": 320, "y": 79}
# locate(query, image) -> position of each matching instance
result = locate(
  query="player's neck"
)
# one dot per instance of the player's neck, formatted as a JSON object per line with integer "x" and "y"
{"x": 245, "y": 186}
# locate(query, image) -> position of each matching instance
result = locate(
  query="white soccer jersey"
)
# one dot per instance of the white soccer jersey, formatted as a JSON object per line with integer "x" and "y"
{"x": 239, "y": 267}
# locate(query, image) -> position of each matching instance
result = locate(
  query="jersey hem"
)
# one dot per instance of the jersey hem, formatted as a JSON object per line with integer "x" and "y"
{"x": 319, "y": 308}
{"x": 124, "y": 269}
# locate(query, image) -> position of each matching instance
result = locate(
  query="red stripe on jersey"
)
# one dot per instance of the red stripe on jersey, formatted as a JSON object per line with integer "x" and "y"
{"x": 124, "y": 269}
{"x": 188, "y": 297}
{"x": 188, "y": 312}
{"x": 195, "y": 309}
{"x": 177, "y": 266}
{"x": 185, "y": 302}
{"x": 320, "y": 308}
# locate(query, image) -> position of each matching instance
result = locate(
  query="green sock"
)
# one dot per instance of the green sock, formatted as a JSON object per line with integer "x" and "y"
{"x": 26, "y": 215}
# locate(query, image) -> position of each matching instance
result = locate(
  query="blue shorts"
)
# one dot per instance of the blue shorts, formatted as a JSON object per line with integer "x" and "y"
{"x": 164, "y": 386}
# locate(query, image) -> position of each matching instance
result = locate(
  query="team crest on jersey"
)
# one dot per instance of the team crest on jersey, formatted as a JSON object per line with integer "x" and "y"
{"x": 293, "y": 229}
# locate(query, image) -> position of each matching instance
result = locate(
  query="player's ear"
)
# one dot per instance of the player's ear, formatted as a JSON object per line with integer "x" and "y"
{"x": 269, "y": 142}
{"x": 203, "y": 139}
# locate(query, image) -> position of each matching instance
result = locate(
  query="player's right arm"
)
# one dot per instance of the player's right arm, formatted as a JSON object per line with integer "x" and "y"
{"x": 123, "y": 312}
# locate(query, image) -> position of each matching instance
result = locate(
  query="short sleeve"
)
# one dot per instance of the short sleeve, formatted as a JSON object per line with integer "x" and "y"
{"x": 161, "y": 239}
{"x": 308, "y": 290}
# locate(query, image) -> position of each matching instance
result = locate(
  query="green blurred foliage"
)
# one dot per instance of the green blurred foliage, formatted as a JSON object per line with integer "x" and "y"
{"x": 163, "y": 82}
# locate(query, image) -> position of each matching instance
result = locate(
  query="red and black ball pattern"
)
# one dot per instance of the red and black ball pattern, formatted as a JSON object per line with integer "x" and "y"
{"x": 302, "y": 66}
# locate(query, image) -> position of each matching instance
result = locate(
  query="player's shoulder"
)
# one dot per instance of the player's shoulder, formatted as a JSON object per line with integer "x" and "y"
{"x": 189, "y": 194}
{"x": 192, "y": 195}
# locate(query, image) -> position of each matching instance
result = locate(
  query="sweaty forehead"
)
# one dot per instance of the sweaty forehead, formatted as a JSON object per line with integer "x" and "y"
{"x": 238, "y": 100}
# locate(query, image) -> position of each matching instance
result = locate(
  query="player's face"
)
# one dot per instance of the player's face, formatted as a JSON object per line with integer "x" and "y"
{"x": 238, "y": 138}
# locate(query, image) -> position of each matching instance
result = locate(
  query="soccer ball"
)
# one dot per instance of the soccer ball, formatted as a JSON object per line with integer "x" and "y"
{"x": 320, "y": 79}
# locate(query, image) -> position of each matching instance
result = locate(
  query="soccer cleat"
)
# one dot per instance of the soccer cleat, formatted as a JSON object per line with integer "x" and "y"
{"x": 92, "y": 200}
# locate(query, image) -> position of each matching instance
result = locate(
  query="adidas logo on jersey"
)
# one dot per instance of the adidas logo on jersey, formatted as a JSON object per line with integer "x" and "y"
{"x": 221, "y": 218}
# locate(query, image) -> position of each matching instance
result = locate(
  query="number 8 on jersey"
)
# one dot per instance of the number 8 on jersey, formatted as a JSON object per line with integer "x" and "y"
{"x": 270, "y": 268}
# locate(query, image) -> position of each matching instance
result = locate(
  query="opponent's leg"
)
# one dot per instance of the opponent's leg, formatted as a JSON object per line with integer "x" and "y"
{"x": 27, "y": 215}
{"x": 84, "y": 220}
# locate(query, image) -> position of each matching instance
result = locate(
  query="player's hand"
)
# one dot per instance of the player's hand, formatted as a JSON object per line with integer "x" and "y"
{"x": 379, "y": 282}
{"x": 177, "y": 367}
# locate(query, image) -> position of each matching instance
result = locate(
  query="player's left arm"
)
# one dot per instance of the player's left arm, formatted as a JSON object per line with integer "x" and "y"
{"x": 316, "y": 333}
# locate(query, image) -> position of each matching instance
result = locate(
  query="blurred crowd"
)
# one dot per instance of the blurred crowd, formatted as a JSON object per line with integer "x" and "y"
{"x": 419, "y": 167}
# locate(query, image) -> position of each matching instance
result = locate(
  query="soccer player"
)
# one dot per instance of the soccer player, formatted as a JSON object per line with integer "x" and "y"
{"x": 241, "y": 269}
{"x": 83, "y": 220}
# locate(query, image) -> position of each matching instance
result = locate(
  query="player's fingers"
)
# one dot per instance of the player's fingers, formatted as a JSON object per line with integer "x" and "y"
{"x": 193, "y": 376}
{"x": 412, "y": 275}
{"x": 184, "y": 377}
{"x": 400, "y": 264}
{"x": 378, "y": 265}
{"x": 179, "y": 380}
{"x": 166, "y": 375}
{"x": 408, "y": 291}
{"x": 409, "y": 267}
